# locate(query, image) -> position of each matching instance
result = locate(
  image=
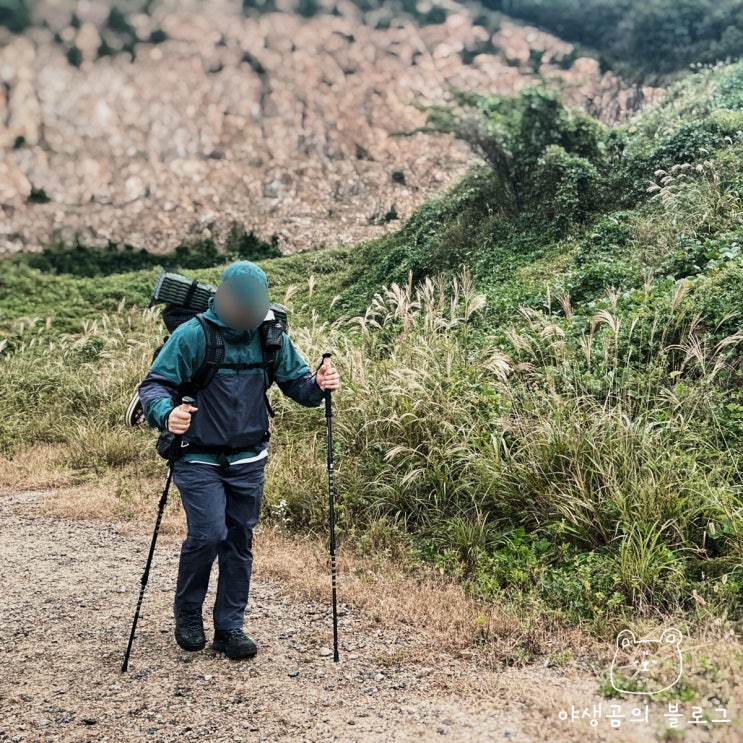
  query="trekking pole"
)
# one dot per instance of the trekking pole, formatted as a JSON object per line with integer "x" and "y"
{"x": 186, "y": 404}
{"x": 331, "y": 493}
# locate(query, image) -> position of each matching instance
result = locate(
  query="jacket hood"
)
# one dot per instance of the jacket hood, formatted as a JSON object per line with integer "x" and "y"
{"x": 245, "y": 269}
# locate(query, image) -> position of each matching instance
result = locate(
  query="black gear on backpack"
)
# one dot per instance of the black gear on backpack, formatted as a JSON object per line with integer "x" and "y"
{"x": 185, "y": 299}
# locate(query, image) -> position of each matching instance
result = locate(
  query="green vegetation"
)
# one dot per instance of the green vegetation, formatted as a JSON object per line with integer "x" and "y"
{"x": 649, "y": 40}
{"x": 307, "y": 8}
{"x": 82, "y": 260}
{"x": 38, "y": 196}
{"x": 641, "y": 39}
{"x": 15, "y": 15}
{"x": 558, "y": 424}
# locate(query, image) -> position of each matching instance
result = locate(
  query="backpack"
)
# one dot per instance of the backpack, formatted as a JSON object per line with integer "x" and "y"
{"x": 185, "y": 299}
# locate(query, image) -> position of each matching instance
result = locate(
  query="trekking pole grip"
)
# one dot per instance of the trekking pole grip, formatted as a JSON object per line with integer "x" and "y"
{"x": 326, "y": 364}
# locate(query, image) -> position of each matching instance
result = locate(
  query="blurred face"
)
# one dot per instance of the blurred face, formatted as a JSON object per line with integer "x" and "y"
{"x": 241, "y": 302}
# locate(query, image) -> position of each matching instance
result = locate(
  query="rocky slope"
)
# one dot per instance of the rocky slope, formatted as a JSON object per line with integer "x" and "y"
{"x": 282, "y": 123}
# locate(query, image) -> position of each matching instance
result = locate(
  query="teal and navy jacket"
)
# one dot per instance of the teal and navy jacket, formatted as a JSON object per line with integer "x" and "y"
{"x": 232, "y": 411}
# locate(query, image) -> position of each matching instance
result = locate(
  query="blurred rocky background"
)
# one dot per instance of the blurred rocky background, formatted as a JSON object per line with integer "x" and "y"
{"x": 156, "y": 123}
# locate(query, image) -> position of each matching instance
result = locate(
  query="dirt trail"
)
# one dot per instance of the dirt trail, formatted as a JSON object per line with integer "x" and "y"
{"x": 68, "y": 594}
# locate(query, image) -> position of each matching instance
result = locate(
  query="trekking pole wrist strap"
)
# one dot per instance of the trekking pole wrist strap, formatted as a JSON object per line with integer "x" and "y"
{"x": 166, "y": 426}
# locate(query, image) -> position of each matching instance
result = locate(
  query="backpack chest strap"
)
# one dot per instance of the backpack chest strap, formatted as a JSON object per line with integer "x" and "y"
{"x": 244, "y": 366}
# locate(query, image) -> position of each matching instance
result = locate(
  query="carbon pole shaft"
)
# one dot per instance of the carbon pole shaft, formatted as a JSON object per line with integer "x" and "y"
{"x": 186, "y": 404}
{"x": 331, "y": 498}
{"x": 146, "y": 573}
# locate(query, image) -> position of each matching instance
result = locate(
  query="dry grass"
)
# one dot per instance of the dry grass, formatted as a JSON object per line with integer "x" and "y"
{"x": 437, "y": 616}
{"x": 36, "y": 468}
{"x": 438, "y": 612}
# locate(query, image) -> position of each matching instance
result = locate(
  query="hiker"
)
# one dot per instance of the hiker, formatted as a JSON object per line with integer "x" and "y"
{"x": 224, "y": 440}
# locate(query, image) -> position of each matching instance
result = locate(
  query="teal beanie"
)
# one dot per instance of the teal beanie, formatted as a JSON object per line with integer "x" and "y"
{"x": 245, "y": 269}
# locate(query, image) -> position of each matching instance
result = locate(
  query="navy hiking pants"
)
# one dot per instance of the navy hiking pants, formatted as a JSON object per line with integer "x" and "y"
{"x": 222, "y": 507}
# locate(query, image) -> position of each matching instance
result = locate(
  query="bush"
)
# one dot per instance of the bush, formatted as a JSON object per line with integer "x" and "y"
{"x": 434, "y": 16}
{"x": 568, "y": 187}
{"x": 248, "y": 246}
{"x": 15, "y": 15}
{"x": 158, "y": 36}
{"x": 729, "y": 92}
{"x": 81, "y": 260}
{"x": 534, "y": 145}
{"x": 38, "y": 196}
{"x": 694, "y": 140}
{"x": 308, "y": 8}
{"x": 74, "y": 56}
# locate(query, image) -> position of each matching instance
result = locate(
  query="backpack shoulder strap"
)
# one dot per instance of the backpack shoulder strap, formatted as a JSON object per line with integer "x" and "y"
{"x": 214, "y": 354}
{"x": 272, "y": 340}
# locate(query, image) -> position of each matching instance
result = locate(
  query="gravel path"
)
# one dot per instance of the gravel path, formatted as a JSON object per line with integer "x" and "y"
{"x": 69, "y": 591}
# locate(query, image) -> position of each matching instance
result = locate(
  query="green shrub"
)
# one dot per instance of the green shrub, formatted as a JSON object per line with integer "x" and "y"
{"x": 15, "y": 15}
{"x": 434, "y": 16}
{"x": 158, "y": 36}
{"x": 82, "y": 260}
{"x": 568, "y": 187}
{"x": 729, "y": 90}
{"x": 38, "y": 196}
{"x": 695, "y": 140}
{"x": 308, "y": 8}
{"x": 74, "y": 56}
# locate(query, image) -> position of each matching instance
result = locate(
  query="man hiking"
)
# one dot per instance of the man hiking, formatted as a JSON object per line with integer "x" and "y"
{"x": 224, "y": 440}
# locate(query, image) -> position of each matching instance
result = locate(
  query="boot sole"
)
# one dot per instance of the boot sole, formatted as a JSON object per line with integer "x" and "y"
{"x": 134, "y": 415}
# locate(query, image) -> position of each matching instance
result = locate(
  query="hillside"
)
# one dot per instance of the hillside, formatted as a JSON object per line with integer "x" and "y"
{"x": 283, "y": 124}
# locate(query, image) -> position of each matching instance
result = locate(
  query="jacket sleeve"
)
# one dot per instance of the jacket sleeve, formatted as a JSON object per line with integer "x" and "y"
{"x": 179, "y": 358}
{"x": 295, "y": 378}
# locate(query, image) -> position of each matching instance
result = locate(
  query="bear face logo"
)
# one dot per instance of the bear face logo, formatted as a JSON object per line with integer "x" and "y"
{"x": 646, "y": 666}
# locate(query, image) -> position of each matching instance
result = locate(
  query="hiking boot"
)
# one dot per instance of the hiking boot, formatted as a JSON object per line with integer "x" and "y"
{"x": 189, "y": 630}
{"x": 234, "y": 643}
